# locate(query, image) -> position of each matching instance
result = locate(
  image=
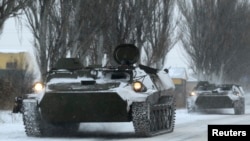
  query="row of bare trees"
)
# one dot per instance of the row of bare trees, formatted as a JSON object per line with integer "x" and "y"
{"x": 216, "y": 37}
{"x": 214, "y": 32}
{"x": 88, "y": 29}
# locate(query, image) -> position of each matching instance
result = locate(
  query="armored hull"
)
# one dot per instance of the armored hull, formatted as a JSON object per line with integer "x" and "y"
{"x": 219, "y": 101}
{"x": 83, "y": 107}
{"x": 74, "y": 94}
{"x": 217, "y": 97}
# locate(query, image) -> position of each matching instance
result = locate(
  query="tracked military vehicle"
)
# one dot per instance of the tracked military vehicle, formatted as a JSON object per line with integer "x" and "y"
{"x": 210, "y": 96}
{"x": 126, "y": 92}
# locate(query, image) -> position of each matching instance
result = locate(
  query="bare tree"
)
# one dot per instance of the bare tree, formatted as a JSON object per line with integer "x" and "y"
{"x": 58, "y": 28}
{"x": 115, "y": 21}
{"x": 86, "y": 25}
{"x": 145, "y": 23}
{"x": 10, "y": 8}
{"x": 159, "y": 32}
{"x": 214, "y": 36}
{"x": 48, "y": 21}
{"x": 125, "y": 25}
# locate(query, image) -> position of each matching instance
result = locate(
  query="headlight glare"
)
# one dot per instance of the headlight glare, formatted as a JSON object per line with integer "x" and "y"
{"x": 236, "y": 93}
{"x": 138, "y": 86}
{"x": 38, "y": 87}
{"x": 93, "y": 72}
{"x": 192, "y": 93}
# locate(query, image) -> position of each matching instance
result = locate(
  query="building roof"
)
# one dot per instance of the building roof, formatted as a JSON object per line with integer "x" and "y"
{"x": 11, "y": 50}
{"x": 178, "y": 72}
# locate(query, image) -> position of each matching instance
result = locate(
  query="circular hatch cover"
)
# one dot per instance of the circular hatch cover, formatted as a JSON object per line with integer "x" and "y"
{"x": 126, "y": 54}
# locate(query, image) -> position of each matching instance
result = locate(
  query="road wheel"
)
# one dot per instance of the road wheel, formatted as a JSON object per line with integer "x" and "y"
{"x": 239, "y": 107}
{"x": 31, "y": 118}
{"x": 37, "y": 127}
{"x": 191, "y": 107}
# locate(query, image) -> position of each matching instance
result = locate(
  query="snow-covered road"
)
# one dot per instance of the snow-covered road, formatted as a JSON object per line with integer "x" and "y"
{"x": 188, "y": 127}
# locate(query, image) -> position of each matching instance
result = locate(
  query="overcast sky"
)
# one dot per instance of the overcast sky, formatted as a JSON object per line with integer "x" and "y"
{"x": 15, "y": 36}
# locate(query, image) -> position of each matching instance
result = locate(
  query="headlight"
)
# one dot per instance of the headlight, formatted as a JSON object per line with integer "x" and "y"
{"x": 236, "y": 93}
{"x": 38, "y": 87}
{"x": 93, "y": 72}
{"x": 138, "y": 86}
{"x": 192, "y": 93}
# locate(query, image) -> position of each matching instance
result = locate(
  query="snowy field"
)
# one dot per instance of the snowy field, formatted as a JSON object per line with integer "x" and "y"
{"x": 11, "y": 127}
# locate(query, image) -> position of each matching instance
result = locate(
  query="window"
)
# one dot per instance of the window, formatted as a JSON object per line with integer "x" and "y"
{"x": 11, "y": 65}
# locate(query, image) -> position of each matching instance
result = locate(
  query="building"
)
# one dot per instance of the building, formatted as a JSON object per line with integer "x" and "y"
{"x": 18, "y": 60}
{"x": 13, "y": 61}
{"x": 179, "y": 77}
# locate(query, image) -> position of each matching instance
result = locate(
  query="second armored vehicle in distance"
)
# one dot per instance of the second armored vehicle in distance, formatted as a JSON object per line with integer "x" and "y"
{"x": 210, "y": 96}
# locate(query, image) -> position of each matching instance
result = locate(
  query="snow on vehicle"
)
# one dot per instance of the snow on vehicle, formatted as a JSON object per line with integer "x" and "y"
{"x": 127, "y": 92}
{"x": 211, "y": 96}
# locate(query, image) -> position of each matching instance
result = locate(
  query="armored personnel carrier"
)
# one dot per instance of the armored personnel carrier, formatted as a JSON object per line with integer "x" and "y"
{"x": 126, "y": 92}
{"x": 210, "y": 96}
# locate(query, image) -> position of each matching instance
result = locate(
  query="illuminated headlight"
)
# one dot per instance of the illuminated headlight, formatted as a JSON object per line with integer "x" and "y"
{"x": 138, "y": 86}
{"x": 192, "y": 93}
{"x": 236, "y": 93}
{"x": 93, "y": 72}
{"x": 38, "y": 87}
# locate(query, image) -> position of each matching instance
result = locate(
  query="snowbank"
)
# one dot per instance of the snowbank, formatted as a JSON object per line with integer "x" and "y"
{"x": 9, "y": 117}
